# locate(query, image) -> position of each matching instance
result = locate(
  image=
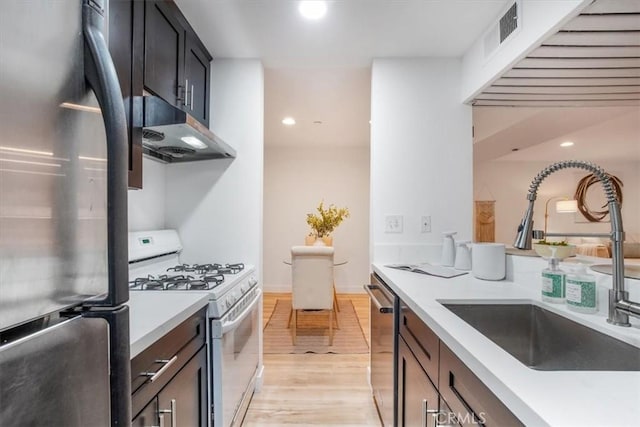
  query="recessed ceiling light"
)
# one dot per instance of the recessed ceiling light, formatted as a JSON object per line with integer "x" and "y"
{"x": 566, "y": 144}
{"x": 313, "y": 9}
{"x": 289, "y": 121}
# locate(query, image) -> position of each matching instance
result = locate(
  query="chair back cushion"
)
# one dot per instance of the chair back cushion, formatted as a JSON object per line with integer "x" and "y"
{"x": 312, "y": 277}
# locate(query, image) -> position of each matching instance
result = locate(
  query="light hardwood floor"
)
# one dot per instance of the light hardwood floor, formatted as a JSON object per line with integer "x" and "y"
{"x": 315, "y": 389}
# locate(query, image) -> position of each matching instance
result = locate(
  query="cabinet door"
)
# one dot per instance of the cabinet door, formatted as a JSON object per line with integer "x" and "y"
{"x": 422, "y": 341}
{"x": 183, "y": 401}
{"x": 148, "y": 417}
{"x": 471, "y": 401}
{"x": 197, "y": 68}
{"x": 126, "y": 23}
{"x": 164, "y": 51}
{"x": 417, "y": 397}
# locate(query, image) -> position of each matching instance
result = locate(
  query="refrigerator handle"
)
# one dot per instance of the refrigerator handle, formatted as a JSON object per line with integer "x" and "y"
{"x": 100, "y": 74}
{"x": 119, "y": 362}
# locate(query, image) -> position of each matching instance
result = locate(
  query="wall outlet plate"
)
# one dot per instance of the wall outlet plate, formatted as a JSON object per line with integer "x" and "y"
{"x": 425, "y": 224}
{"x": 393, "y": 224}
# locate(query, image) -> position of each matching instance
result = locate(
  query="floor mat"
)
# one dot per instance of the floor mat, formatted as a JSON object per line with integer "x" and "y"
{"x": 313, "y": 331}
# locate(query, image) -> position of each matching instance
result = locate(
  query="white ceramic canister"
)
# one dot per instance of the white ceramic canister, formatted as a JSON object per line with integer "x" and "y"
{"x": 488, "y": 261}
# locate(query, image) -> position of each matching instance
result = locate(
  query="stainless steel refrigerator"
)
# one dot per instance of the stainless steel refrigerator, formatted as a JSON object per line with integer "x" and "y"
{"x": 64, "y": 331}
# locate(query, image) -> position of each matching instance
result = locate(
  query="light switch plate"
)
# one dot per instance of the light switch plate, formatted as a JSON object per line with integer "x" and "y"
{"x": 393, "y": 224}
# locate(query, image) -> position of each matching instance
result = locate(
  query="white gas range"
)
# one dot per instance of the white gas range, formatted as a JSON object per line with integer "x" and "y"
{"x": 155, "y": 265}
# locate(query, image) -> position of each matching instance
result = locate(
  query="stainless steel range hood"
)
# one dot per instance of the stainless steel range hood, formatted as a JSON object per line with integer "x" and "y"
{"x": 172, "y": 135}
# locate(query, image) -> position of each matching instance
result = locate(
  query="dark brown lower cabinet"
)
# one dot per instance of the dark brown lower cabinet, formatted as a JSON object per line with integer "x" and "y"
{"x": 182, "y": 402}
{"x": 169, "y": 378}
{"x": 435, "y": 388}
{"x": 418, "y": 399}
{"x": 471, "y": 400}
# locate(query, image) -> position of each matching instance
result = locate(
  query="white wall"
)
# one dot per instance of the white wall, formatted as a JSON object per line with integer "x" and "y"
{"x": 508, "y": 183}
{"x": 295, "y": 181}
{"x": 216, "y": 205}
{"x": 540, "y": 19}
{"x": 421, "y": 156}
{"x": 147, "y": 206}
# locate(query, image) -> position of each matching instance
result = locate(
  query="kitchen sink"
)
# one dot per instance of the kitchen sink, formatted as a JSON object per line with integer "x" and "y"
{"x": 545, "y": 341}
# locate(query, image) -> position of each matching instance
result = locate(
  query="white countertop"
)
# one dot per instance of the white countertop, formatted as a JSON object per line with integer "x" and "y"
{"x": 557, "y": 398}
{"x": 154, "y": 313}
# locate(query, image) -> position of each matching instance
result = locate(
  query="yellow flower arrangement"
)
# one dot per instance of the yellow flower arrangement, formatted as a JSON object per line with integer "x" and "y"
{"x": 326, "y": 220}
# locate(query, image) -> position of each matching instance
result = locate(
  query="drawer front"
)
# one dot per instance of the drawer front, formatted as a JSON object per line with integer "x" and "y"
{"x": 422, "y": 341}
{"x": 469, "y": 399}
{"x": 164, "y": 358}
{"x": 417, "y": 397}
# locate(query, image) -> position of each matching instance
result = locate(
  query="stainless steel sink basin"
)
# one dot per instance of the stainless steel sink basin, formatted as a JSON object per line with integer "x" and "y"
{"x": 546, "y": 341}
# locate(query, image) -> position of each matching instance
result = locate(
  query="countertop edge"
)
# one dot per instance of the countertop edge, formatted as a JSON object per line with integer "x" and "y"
{"x": 154, "y": 322}
{"x": 530, "y": 406}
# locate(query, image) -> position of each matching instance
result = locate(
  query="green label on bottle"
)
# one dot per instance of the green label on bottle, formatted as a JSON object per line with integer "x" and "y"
{"x": 553, "y": 285}
{"x": 581, "y": 294}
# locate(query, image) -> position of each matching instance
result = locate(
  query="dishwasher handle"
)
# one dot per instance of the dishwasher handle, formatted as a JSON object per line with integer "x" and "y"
{"x": 388, "y": 308}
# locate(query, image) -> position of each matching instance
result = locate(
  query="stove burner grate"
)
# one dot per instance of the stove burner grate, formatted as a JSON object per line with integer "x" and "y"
{"x": 183, "y": 267}
{"x": 231, "y": 268}
{"x": 207, "y": 277}
{"x": 148, "y": 282}
{"x": 176, "y": 282}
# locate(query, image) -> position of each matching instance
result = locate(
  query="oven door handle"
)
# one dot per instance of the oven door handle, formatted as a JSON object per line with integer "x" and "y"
{"x": 226, "y": 327}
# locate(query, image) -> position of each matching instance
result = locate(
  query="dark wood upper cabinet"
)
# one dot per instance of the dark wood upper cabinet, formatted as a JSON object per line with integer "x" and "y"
{"x": 126, "y": 29}
{"x": 154, "y": 49}
{"x": 176, "y": 63}
{"x": 197, "y": 75}
{"x": 164, "y": 38}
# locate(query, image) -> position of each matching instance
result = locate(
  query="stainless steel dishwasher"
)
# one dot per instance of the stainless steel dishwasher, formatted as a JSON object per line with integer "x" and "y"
{"x": 384, "y": 343}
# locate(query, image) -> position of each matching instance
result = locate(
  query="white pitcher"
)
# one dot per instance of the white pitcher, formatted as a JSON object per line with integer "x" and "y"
{"x": 448, "y": 249}
{"x": 463, "y": 256}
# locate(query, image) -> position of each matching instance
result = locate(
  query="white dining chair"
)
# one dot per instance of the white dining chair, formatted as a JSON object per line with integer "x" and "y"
{"x": 312, "y": 283}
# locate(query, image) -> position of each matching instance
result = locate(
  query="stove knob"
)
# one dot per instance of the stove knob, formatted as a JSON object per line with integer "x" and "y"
{"x": 228, "y": 302}
{"x": 252, "y": 281}
{"x": 243, "y": 288}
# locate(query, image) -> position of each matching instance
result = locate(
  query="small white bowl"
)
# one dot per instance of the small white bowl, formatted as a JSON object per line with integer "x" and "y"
{"x": 562, "y": 251}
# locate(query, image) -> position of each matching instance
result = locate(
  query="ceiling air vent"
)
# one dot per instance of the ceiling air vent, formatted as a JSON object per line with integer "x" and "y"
{"x": 502, "y": 29}
{"x": 509, "y": 22}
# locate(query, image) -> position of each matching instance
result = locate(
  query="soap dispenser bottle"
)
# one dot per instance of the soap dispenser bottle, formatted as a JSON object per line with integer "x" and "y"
{"x": 448, "y": 249}
{"x": 463, "y": 256}
{"x": 582, "y": 292}
{"x": 553, "y": 281}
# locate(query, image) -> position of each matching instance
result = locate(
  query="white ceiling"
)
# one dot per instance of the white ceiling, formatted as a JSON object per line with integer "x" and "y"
{"x": 320, "y": 70}
{"x": 599, "y": 133}
{"x": 352, "y": 33}
{"x": 338, "y": 98}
